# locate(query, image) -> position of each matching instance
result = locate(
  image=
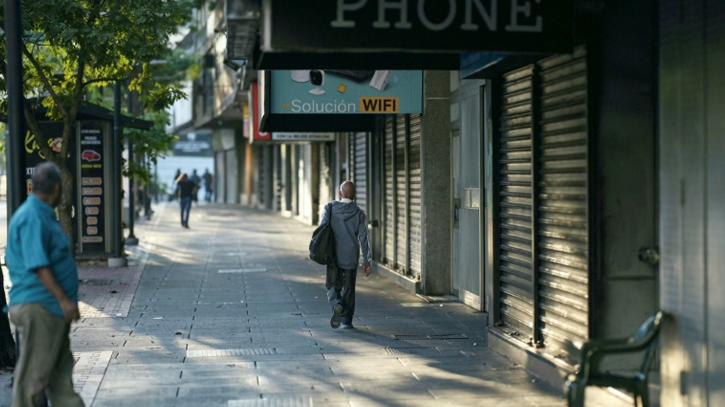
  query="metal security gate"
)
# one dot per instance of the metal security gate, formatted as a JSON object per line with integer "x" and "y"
{"x": 268, "y": 183}
{"x": 543, "y": 203}
{"x": 230, "y": 162}
{"x": 359, "y": 160}
{"x": 414, "y": 203}
{"x": 326, "y": 181}
{"x": 402, "y": 190}
{"x": 220, "y": 177}
{"x": 277, "y": 176}
{"x": 389, "y": 190}
{"x": 562, "y": 220}
{"x": 516, "y": 201}
{"x": 401, "y": 198}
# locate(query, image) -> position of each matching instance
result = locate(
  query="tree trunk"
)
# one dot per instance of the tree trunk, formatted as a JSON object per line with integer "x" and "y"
{"x": 7, "y": 343}
{"x": 65, "y": 209}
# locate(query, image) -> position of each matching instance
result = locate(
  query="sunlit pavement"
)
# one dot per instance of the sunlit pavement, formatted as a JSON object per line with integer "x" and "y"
{"x": 232, "y": 313}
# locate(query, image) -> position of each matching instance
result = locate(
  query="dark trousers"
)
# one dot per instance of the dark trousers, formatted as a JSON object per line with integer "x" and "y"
{"x": 185, "y": 209}
{"x": 340, "y": 284}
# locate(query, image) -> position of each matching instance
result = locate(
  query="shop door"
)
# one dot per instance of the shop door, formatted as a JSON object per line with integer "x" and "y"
{"x": 467, "y": 277}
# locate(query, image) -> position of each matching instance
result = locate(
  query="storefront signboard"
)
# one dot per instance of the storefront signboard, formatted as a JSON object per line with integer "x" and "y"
{"x": 517, "y": 26}
{"x": 326, "y": 92}
{"x": 92, "y": 161}
{"x": 302, "y": 137}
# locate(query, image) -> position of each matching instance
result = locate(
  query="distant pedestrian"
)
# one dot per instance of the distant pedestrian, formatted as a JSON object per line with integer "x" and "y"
{"x": 349, "y": 228}
{"x": 43, "y": 297}
{"x": 197, "y": 181}
{"x": 177, "y": 176}
{"x": 185, "y": 190}
{"x": 208, "y": 185}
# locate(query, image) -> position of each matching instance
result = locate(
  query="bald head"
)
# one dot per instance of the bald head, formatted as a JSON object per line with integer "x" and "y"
{"x": 47, "y": 183}
{"x": 347, "y": 190}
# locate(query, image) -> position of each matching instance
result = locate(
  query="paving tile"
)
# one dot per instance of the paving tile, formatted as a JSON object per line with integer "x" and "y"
{"x": 182, "y": 306}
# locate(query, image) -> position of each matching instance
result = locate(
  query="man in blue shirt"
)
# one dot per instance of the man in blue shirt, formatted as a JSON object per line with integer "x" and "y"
{"x": 43, "y": 297}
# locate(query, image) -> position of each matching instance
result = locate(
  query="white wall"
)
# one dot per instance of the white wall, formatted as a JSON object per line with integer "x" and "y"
{"x": 692, "y": 201}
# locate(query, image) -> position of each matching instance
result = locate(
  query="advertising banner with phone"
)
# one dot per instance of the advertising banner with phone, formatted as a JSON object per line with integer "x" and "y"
{"x": 318, "y": 91}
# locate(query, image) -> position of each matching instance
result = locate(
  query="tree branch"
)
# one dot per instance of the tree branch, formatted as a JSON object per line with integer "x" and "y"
{"x": 34, "y": 128}
{"x": 46, "y": 81}
{"x": 92, "y": 81}
{"x": 74, "y": 105}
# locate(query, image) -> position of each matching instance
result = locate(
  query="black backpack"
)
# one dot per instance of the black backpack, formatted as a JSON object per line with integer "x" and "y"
{"x": 322, "y": 245}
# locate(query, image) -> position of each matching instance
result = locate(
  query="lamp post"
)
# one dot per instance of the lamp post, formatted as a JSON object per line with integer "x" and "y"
{"x": 131, "y": 240}
{"x": 117, "y": 259}
{"x": 16, "y": 122}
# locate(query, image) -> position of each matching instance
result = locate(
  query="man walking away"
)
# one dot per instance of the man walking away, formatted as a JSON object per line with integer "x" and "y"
{"x": 197, "y": 181}
{"x": 185, "y": 190}
{"x": 208, "y": 188}
{"x": 43, "y": 297}
{"x": 349, "y": 229}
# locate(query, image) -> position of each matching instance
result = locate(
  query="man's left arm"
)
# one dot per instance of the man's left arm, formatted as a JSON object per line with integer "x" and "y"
{"x": 362, "y": 234}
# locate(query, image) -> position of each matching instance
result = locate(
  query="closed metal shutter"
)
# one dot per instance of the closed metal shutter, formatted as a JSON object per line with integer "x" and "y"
{"x": 305, "y": 197}
{"x": 562, "y": 217}
{"x": 230, "y": 163}
{"x": 414, "y": 195}
{"x": 401, "y": 199}
{"x": 262, "y": 176}
{"x": 516, "y": 201}
{"x": 389, "y": 254}
{"x": 220, "y": 177}
{"x": 543, "y": 203}
{"x": 277, "y": 160}
{"x": 326, "y": 187}
{"x": 269, "y": 177}
{"x": 360, "y": 169}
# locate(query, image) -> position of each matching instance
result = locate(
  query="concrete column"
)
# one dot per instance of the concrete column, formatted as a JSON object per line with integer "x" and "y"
{"x": 435, "y": 157}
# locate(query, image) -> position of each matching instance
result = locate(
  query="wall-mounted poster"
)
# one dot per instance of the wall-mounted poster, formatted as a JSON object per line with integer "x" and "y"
{"x": 92, "y": 188}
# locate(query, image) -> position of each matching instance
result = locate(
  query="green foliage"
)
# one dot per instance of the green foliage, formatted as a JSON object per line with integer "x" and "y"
{"x": 149, "y": 143}
{"x": 74, "y": 48}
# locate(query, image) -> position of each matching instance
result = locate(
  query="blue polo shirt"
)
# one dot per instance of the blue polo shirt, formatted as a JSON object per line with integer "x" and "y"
{"x": 35, "y": 240}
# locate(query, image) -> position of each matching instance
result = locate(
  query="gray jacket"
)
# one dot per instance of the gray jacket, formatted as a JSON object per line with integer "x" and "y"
{"x": 350, "y": 230}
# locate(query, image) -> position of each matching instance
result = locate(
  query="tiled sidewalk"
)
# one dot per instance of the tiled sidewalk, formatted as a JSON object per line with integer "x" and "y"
{"x": 232, "y": 313}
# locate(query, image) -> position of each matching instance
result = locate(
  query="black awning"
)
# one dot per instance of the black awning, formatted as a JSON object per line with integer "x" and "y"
{"x": 317, "y": 122}
{"x": 346, "y": 60}
{"x": 90, "y": 111}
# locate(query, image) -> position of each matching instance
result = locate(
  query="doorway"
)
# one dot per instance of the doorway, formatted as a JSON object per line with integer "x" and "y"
{"x": 468, "y": 220}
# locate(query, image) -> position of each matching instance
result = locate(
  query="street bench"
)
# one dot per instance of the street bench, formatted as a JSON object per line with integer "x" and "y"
{"x": 593, "y": 352}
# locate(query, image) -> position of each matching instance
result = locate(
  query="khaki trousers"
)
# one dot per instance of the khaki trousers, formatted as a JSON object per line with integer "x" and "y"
{"x": 45, "y": 366}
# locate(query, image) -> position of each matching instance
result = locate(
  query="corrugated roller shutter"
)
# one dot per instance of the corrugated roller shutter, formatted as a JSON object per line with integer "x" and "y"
{"x": 276, "y": 157}
{"x": 401, "y": 199}
{"x": 389, "y": 255}
{"x": 361, "y": 170}
{"x": 269, "y": 178}
{"x": 325, "y": 177}
{"x": 516, "y": 201}
{"x": 261, "y": 175}
{"x": 414, "y": 185}
{"x": 562, "y": 205}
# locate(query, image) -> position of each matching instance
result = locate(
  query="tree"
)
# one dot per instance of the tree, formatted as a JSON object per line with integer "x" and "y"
{"x": 71, "y": 47}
